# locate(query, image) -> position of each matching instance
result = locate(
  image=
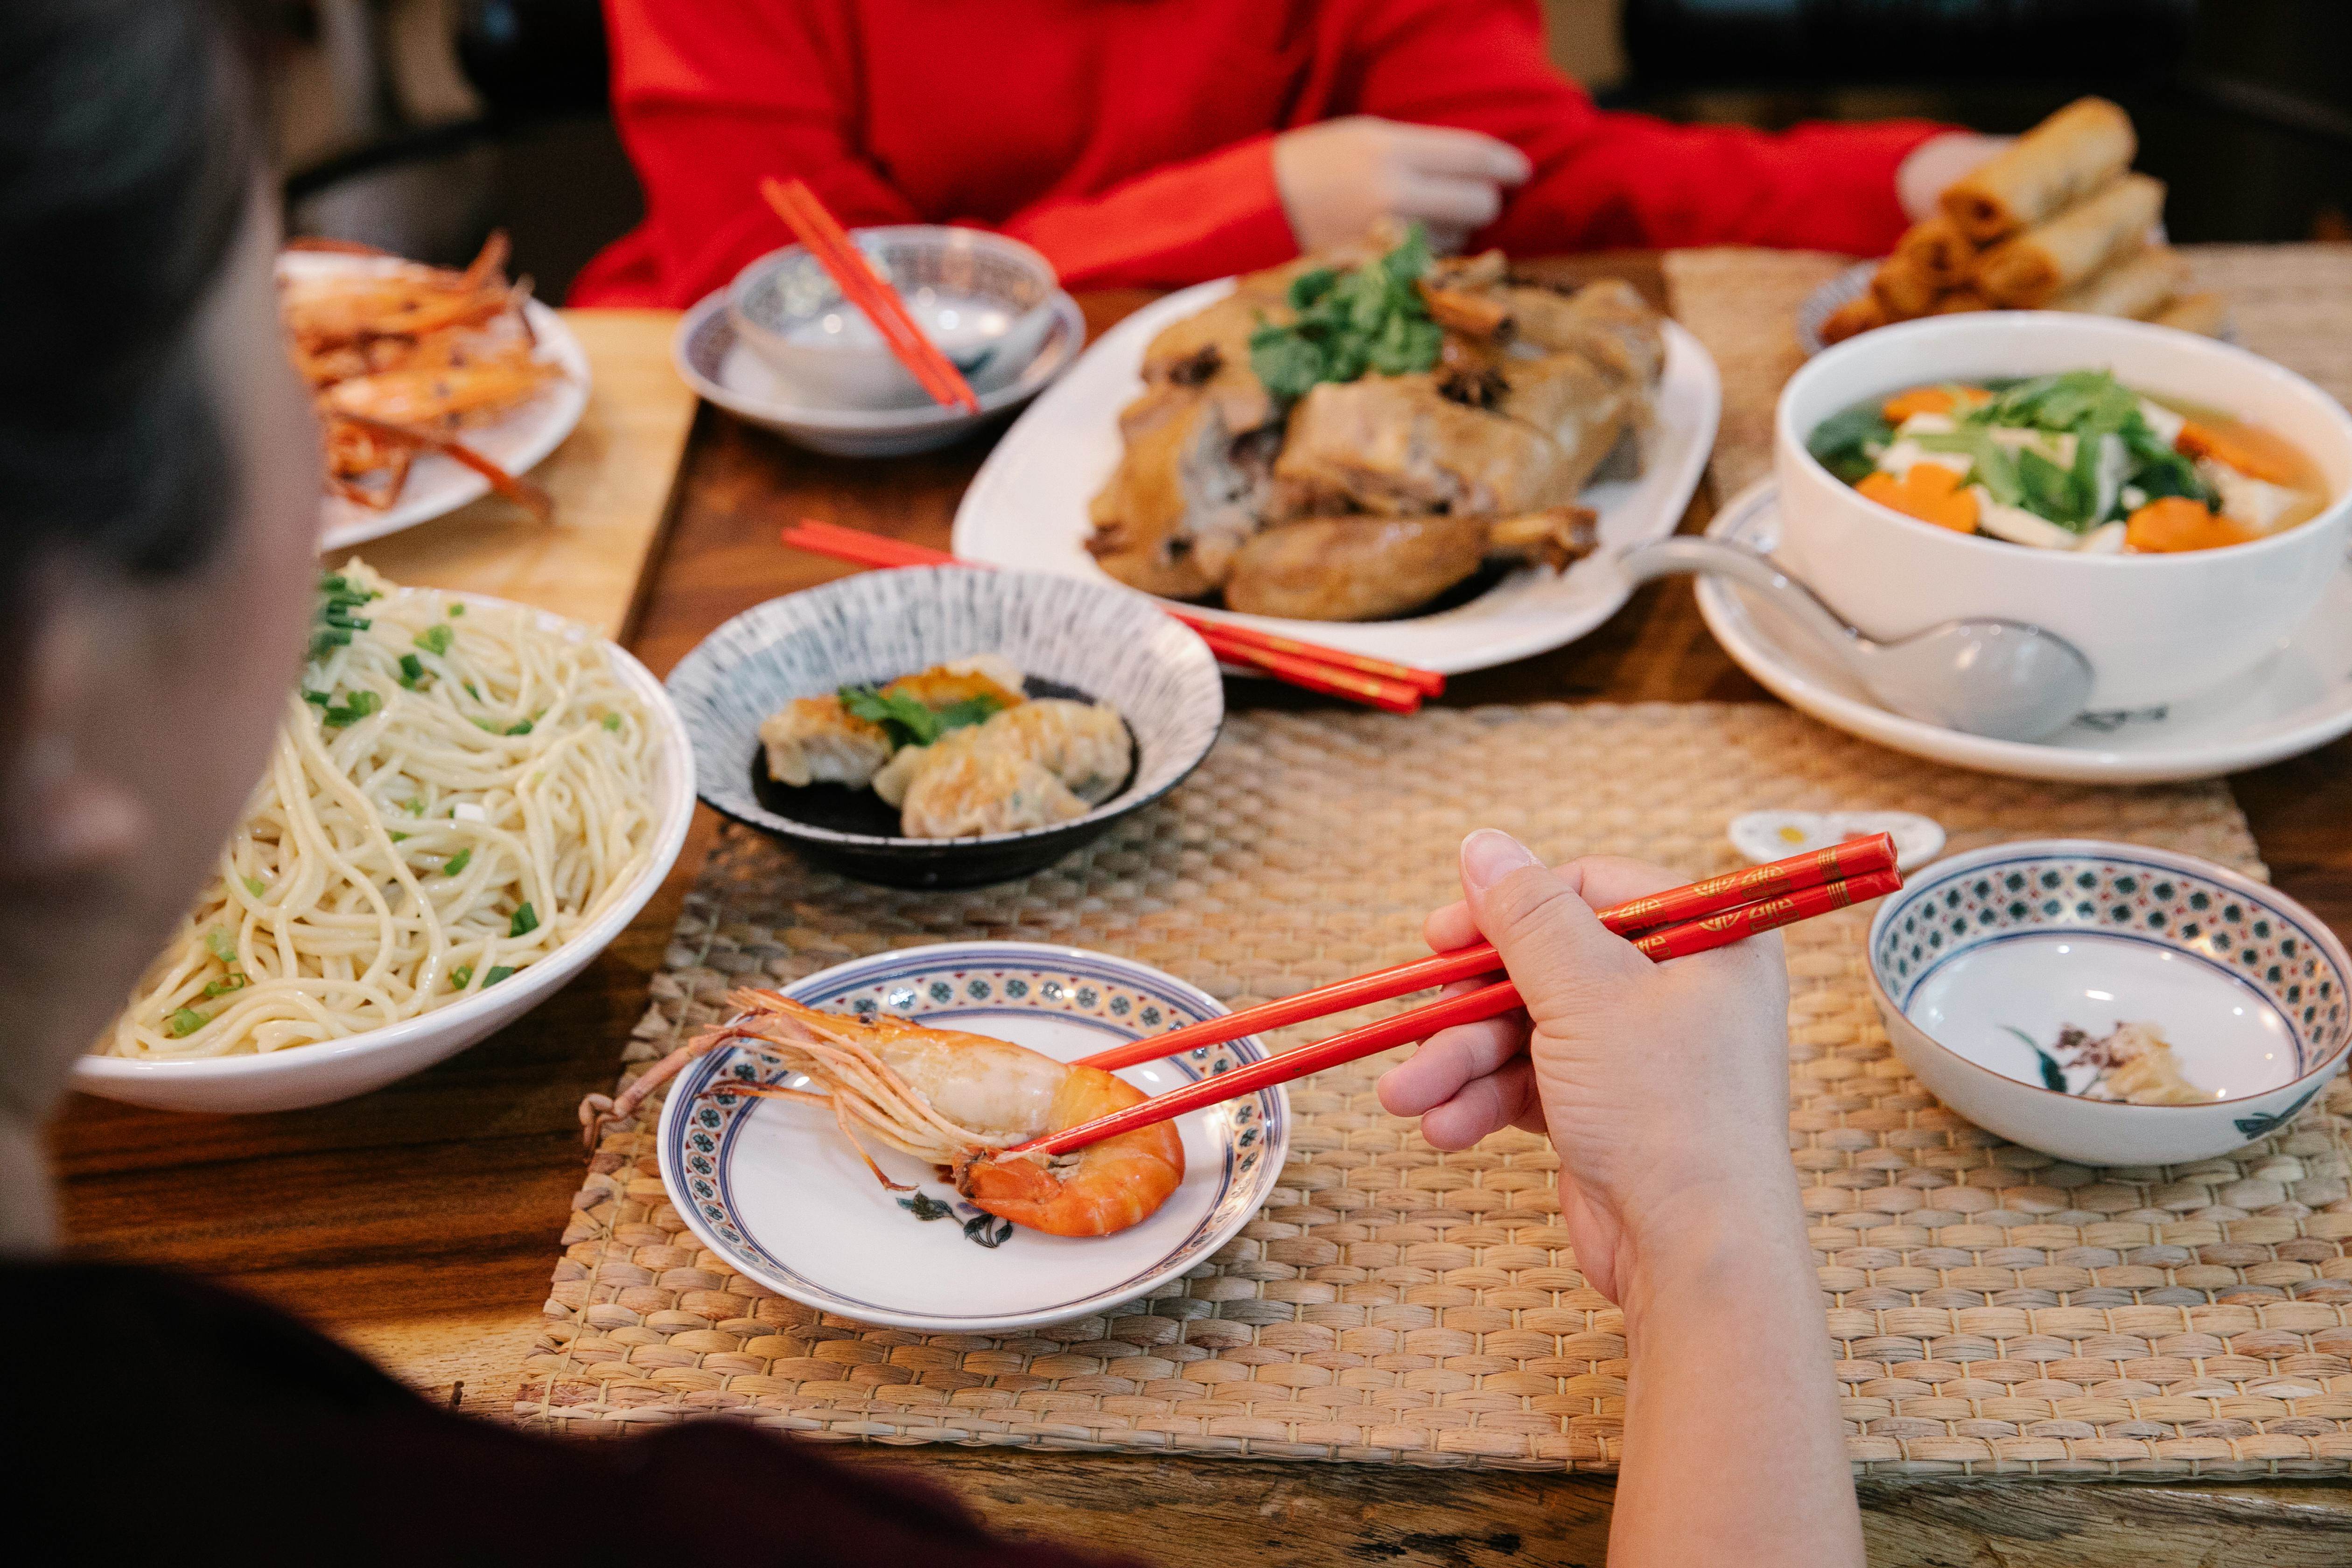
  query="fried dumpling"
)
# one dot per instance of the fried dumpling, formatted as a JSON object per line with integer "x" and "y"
{"x": 814, "y": 739}
{"x": 965, "y": 787}
{"x": 1084, "y": 744}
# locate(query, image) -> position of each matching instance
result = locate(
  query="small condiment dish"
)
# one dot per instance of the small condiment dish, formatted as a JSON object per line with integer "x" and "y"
{"x": 985, "y": 301}
{"x": 1980, "y": 964}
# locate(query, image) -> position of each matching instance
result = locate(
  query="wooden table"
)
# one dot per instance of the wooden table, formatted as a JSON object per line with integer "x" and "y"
{"x": 420, "y": 1222}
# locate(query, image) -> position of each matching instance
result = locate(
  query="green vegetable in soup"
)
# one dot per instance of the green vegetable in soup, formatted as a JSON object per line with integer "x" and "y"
{"x": 1848, "y": 442}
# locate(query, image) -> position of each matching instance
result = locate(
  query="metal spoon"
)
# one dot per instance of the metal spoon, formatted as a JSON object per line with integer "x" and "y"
{"x": 2004, "y": 680}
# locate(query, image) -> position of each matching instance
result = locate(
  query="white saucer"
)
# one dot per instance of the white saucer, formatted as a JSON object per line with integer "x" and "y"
{"x": 1027, "y": 506}
{"x": 2298, "y": 699}
{"x": 724, "y": 370}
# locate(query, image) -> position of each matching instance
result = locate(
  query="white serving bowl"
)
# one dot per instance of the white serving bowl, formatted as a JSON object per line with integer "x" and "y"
{"x": 985, "y": 301}
{"x": 337, "y": 1069}
{"x": 2157, "y": 628}
{"x": 1985, "y": 956}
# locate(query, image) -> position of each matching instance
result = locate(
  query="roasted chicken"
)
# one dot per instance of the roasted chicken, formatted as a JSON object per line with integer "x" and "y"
{"x": 1364, "y": 494}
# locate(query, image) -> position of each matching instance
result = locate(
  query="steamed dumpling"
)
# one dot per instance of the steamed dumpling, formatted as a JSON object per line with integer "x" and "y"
{"x": 965, "y": 786}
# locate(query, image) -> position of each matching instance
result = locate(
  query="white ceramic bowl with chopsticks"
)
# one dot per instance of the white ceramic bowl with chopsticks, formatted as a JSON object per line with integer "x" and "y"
{"x": 2158, "y": 629}
{"x": 985, "y": 301}
{"x": 330, "y": 1070}
{"x": 1982, "y": 962}
{"x": 774, "y": 1188}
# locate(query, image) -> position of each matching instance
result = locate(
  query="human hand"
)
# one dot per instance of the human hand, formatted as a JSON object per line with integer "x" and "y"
{"x": 1341, "y": 177}
{"x": 1663, "y": 1085}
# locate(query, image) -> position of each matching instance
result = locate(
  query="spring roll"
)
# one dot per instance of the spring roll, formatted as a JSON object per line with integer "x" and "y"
{"x": 1960, "y": 301}
{"x": 1853, "y": 319}
{"x": 2044, "y": 262}
{"x": 1903, "y": 288}
{"x": 2138, "y": 286}
{"x": 2206, "y": 313}
{"x": 2076, "y": 150}
{"x": 1937, "y": 248}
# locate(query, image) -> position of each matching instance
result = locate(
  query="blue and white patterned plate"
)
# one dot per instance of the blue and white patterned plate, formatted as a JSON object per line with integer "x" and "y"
{"x": 1103, "y": 642}
{"x": 773, "y": 1187}
{"x": 1983, "y": 959}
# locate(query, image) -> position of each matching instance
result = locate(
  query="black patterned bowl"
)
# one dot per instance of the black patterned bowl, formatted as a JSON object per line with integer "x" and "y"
{"x": 1073, "y": 638}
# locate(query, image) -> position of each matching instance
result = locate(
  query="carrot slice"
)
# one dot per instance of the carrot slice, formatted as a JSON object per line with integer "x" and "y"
{"x": 2257, "y": 454}
{"x": 2172, "y": 523}
{"x": 1929, "y": 400}
{"x": 1929, "y": 491}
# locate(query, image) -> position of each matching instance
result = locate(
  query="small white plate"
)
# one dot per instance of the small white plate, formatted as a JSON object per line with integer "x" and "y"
{"x": 774, "y": 1188}
{"x": 2298, "y": 699}
{"x": 1027, "y": 506}
{"x": 723, "y": 369}
{"x": 516, "y": 441}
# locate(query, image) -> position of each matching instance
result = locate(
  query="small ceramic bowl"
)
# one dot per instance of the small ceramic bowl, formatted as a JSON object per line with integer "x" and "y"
{"x": 774, "y": 1188}
{"x": 1071, "y": 637}
{"x": 1980, "y": 963}
{"x": 986, "y": 302}
{"x": 711, "y": 357}
{"x": 2158, "y": 629}
{"x": 338, "y": 1070}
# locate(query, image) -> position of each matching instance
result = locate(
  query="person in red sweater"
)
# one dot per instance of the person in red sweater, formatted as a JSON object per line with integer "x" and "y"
{"x": 1159, "y": 143}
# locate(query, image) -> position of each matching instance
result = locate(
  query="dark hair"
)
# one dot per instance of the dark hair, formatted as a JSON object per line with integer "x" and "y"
{"x": 126, "y": 155}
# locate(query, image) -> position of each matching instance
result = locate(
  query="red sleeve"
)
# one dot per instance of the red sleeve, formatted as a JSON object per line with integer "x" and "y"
{"x": 1603, "y": 179}
{"x": 710, "y": 100}
{"x": 1172, "y": 226}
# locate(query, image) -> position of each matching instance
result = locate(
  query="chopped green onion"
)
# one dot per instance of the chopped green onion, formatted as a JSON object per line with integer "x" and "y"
{"x": 355, "y": 706}
{"x": 319, "y": 698}
{"x": 497, "y": 971}
{"x": 457, "y": 862}
{"x": 457, "y": 610}
{"x": 224, "y": 945}
{"x": 399, "y": 837}
{"x": 186, "y": 1022}
{"x": 461, "y": 976}
{"x": 412, "y": 670}
{"x": 520, "y": 726}
{"x": 254, "y": 885}
{"x": 525, "y": 921}
{"x": 234, "y": 982}
{"x": 415, "y": 807}
{"x": 472, "y": 691}
{"x": 435, "y": 638}
{"x": 612, "y": 721}
{"x": 484, "y": 724}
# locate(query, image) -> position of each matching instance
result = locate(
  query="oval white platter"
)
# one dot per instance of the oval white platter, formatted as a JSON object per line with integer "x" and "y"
{"x": 2297, "y": 700}
{"x": 774, "y": 1188}
{"x": 1027, "y": 506}
{"x": 516, "y": 441}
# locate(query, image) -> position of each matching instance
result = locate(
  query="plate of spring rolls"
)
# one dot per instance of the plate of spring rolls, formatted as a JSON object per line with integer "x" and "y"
{"x": 2057, "y": 221}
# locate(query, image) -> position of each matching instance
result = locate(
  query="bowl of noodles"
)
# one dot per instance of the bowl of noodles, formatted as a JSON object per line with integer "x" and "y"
{"x": 468, "y": 800}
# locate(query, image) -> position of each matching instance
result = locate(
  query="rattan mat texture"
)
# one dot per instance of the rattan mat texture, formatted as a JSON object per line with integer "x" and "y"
{"x": 1993, "y": 1309}
{"x": 2292, "y": 303}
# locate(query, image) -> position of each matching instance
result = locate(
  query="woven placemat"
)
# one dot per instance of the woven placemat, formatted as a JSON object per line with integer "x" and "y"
{"x": 2290, "y": 303}
{"x": 1994, "y": 1308}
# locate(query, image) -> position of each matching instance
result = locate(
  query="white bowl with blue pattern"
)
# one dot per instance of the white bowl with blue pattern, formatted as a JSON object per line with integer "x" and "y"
{"x": 773, "y": 1187}
{"x": 1072, "y": 638}
{"x": 1982, "y": 960}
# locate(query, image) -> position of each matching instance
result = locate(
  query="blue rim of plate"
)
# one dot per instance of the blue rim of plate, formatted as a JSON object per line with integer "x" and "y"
{"x": 697, "y": 1167}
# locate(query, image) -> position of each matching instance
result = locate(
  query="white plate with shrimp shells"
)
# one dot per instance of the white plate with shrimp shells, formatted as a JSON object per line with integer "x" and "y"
{"x": 775, "y": 1189}
{"x": 517, "y": 440}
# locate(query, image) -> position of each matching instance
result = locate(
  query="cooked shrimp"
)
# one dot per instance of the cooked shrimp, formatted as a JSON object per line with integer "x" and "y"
{"x": 951, "y": 1099}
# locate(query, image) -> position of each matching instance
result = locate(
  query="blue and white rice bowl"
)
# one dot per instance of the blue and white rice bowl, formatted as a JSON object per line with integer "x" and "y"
{"x": 1087, "y": 638}
{"x": 1980, "y": 964}
{"x": 773, "y": 1186}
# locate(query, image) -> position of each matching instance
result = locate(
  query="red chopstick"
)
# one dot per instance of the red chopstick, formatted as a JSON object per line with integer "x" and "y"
{"x": 1488, "y": 1002}
{"x": 1398, "y": 688}
{"x": 871, "y": 292}
{"x": 1717, "y": 896}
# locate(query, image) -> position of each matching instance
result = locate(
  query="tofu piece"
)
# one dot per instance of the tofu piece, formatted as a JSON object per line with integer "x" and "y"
{"x": 2162, "y": 420}
{"x": 2257, "y": 503}
{"x": 1903, "y": 456}
{"x": 2107, "y": 539}
{"x": 2020, "y": 526}
{"x": 814, "y": 739}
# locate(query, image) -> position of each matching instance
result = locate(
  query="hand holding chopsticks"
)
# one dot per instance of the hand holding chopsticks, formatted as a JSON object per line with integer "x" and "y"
{"x": 1695, "y": 919}
{"x": 1376, "y": 682}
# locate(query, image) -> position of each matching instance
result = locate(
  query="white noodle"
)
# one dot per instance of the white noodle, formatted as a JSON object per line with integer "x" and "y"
{"x": 356, "y": 921}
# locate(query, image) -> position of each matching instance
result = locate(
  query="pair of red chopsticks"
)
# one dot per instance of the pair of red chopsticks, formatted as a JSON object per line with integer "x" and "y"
{"x": 1709, "y": 914}
{"x": 871, "y": 292}
{"x": 1378, "y": 682}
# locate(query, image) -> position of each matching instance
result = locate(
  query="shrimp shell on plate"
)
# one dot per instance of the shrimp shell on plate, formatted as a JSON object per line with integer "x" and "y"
{"x": 949, "y": 1098}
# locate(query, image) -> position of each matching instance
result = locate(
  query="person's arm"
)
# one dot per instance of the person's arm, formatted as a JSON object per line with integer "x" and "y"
{"x": 1607, "y": 179}
{"x": 1665, "y": 1088}
{"x": 710, "y": 100}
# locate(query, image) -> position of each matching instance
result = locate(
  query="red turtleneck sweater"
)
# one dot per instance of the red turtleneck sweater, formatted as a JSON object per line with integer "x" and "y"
{"x": 1129, "y": 139}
